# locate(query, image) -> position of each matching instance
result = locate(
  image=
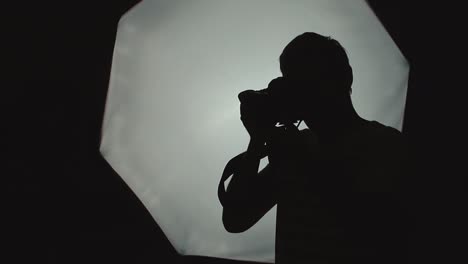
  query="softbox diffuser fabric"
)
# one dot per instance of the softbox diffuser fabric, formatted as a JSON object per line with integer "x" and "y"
{"x": 172, "y": 114}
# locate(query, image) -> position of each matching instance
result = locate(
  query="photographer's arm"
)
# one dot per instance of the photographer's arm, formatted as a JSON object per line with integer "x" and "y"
{"x": 250, "y": 194}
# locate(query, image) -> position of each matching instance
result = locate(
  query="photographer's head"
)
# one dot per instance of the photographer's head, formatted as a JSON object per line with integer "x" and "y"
{"x": 318, "y": 69}
{"x": 316, "y": 58}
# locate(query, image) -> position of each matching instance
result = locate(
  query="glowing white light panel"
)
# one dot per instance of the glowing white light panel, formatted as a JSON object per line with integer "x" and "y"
{"x": 172, "y": 113}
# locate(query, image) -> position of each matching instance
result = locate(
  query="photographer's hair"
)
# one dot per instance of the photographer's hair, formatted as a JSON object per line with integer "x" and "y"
{"x": 311, "y": 54}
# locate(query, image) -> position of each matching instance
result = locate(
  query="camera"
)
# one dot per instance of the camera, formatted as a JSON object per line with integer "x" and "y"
{"x": 275, "y": 103}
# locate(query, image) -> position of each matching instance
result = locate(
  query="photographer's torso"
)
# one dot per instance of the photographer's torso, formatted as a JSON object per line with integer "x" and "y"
{"x": 325, "y": 212}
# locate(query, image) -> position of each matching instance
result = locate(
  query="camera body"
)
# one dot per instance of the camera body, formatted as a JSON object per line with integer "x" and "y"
{"x": 275, "y": 103}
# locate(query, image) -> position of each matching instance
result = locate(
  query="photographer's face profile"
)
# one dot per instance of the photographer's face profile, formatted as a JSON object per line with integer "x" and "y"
{"x": 319, "y": 103}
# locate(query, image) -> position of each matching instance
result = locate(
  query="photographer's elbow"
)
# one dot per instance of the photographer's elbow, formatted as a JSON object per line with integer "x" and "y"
{"x": 231, "y": 223}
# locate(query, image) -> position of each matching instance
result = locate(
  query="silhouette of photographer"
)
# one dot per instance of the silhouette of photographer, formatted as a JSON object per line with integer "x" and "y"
{"x": 338, "y": 185}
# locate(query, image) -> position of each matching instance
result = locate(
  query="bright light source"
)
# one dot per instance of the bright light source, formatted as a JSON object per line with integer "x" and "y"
{"x": 172, "y": 115}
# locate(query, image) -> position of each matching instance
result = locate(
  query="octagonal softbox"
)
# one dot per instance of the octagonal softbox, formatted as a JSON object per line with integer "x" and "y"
{"x": 172, "y": 114}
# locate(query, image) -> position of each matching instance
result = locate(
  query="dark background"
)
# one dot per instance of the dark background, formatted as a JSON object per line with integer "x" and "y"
{"x": 65, "y": 204}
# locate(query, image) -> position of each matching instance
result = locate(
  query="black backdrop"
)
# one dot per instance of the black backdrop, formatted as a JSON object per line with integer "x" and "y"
{"x": 65, "y": 204}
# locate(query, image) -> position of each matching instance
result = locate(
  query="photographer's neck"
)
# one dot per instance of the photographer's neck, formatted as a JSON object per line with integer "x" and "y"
{"x": 336, "y": 124}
